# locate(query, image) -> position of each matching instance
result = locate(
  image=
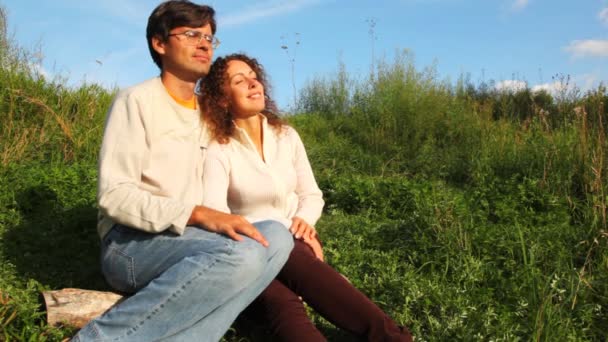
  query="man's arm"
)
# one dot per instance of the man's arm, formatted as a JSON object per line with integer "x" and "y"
{"x": 122, "y": 195}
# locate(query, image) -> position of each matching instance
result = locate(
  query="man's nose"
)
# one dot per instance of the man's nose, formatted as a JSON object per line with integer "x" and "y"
{"x": 203, "y": 44}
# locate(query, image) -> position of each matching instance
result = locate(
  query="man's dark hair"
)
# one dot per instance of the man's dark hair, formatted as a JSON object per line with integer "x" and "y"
{"x": 175, "y": 13}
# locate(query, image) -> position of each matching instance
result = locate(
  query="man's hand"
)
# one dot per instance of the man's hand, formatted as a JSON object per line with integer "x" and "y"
{"x": 231, "y": 225}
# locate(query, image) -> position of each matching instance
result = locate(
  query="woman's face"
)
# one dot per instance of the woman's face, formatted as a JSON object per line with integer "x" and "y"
{"x": 245, "y": 94}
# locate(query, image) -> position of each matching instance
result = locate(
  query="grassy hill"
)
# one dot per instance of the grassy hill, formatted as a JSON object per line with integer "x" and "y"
{"x": 464, "y": 212}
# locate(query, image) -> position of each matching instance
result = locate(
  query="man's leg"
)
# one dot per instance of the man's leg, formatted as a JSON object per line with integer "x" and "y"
{"x": 216, "y": 322}
{"x": 181, "y": 281}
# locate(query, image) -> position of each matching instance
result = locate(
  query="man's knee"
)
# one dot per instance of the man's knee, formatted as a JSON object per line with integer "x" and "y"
{"x": 278, "y": 236}
{"x": 251, "y": 258}
{"x": 248, "y": 259}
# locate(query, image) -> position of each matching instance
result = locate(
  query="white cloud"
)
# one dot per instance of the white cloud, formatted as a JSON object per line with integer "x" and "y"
{"x": 132, "y": 12}
{"x": 509, "y": 7}
{"x": 588, "y": 81}
{"x": 511, "y": 85}
{"x": 108, "y": 70}
{"x": 129, "y": 12}
{"x": 269, "y": 9}
{"x": 519, "y": 5}
{"x": 564, "y": 85}
{"x": 603, "y": 15}
{"x": 588, "y": 48}
{"x": 553, "y": 88}
{"x": 40, "y": 70}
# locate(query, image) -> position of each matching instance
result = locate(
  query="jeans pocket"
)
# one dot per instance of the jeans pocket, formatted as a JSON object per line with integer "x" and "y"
{"x": 118, "y": 269}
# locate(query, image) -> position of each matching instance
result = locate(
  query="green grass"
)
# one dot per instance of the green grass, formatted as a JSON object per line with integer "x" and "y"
{"x": 465, "y": 213}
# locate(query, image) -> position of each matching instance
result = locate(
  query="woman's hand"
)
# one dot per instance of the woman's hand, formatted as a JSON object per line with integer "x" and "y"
{"x": 307, "y": 233}
{"x": 301, "y": 229}
{"x": 315, "y": 245}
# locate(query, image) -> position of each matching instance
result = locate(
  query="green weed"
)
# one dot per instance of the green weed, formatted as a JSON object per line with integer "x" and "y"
{"x": 465, "y": 213}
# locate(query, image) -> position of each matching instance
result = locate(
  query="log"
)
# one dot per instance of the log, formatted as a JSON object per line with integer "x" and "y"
{"x": 76, "y": 307}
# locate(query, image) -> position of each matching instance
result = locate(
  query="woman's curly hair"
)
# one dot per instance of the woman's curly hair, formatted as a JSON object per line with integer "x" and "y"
{"x": 212, "y": 96}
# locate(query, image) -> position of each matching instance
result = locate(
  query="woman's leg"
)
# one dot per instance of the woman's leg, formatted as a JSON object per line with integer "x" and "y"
{"x": 283, "y": 313}
{"x": 332, "y": 296}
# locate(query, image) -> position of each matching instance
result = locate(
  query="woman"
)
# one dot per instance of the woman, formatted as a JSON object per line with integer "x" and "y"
{"x": 257, "y": 167}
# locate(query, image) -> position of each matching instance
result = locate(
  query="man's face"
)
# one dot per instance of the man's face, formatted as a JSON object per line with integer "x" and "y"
{"x": 181, "y": 57}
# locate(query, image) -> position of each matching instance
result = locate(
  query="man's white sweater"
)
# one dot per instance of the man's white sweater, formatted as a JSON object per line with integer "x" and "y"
{"x": 151, "y": 160}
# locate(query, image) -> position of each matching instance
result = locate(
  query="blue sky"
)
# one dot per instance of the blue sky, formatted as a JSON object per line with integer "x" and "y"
{"x": 509, "y": 41}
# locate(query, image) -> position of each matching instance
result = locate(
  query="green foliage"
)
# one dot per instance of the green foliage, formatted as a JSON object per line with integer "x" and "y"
{"x": 464, "y": 212}
{"x": 20, "y": 319}
{"x": 483, "y": 212}
{"x": 374, "y": 196}
{"x": 41, "y": 119}
{"x": 47, "y": 241}
{"x": 405, "y": 120}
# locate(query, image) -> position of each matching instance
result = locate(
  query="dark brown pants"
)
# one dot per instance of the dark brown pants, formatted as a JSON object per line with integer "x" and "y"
{"x": 328, "y": 293}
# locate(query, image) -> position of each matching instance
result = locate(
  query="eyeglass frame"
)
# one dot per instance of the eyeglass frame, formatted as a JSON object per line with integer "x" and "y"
{"x": 211, "y": 39}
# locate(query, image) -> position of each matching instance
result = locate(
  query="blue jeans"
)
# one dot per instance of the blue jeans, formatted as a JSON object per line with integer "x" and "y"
{"x": 186, "y": 288}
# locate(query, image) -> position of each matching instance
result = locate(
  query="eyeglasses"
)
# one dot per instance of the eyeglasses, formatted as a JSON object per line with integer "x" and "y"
{"x": 194, "y": 38}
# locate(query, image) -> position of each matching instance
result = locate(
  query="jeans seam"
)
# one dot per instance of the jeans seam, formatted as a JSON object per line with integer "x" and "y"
{"x": 174, "y": 294}
{"x": 97, "y": 336}
{"x": 130, "y": 265}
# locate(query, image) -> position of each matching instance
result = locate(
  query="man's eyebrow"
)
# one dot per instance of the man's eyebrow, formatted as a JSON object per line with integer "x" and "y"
{"x": 186, "y": 29}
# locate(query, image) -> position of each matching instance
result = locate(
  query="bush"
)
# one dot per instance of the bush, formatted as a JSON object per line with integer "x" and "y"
{"x": 465, "y": 213}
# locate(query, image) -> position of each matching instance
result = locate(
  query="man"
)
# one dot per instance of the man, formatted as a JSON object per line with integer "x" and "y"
{"x": 191, "y": 269}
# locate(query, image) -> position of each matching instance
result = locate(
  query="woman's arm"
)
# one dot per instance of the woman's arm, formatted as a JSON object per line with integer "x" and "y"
{"x": 310, "y": 197}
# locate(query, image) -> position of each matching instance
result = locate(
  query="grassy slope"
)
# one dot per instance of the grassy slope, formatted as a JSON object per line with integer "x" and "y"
{"x": 464, "y": 214}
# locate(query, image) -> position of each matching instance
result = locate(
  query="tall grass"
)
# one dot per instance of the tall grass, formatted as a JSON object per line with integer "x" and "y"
{"x": 399, "y": 116}
{"x": 43, "y": 119}
{"x": 497, "y": 199}
{"x": 465, "y": 212}
{"x": 49, "y": 139}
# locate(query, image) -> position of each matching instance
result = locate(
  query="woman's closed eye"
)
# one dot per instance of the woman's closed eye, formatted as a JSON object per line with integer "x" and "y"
{"x": 238, "y": 79}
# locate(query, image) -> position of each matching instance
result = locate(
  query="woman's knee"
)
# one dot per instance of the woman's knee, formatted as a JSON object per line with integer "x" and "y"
{"x": 301, "y": 257}
{"x": 278, "y": 296}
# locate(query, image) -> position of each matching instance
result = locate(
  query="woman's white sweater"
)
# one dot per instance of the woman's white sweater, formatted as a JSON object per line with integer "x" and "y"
{"x": 280, "y": 186}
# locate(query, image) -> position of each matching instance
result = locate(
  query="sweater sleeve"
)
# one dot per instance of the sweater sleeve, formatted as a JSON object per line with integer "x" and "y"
{"x": 310, "y": 197}
{"x": 216, "y": 178}
{"x": 122, "y": 196}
